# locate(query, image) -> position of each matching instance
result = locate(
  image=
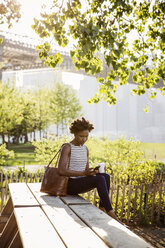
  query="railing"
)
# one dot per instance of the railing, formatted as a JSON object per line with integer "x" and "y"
{"x": 140, "y": 204}
{"x": 30, "y": 42}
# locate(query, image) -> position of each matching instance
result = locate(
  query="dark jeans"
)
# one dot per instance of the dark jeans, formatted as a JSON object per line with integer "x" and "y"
{"x": 84, "y": 184}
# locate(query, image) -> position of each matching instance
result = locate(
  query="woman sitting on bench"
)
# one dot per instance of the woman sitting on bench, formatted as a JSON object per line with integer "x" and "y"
{"x": 82, "y": 178}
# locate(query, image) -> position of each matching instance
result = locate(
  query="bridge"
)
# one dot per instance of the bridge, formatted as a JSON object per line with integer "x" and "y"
{"x": 19, "y": 53}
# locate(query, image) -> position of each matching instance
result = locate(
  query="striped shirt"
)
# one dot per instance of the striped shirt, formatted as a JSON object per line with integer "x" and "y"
{"x": 78, "y": 158}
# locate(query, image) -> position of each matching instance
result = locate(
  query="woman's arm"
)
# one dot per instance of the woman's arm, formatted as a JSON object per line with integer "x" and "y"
{"x": 87, "y": 165}
{"x": 63, "y": 164}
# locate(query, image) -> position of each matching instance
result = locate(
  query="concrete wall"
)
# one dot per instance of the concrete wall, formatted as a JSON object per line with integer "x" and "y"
{"x": 127, "y": 117}
{"x": 30, "y": 79}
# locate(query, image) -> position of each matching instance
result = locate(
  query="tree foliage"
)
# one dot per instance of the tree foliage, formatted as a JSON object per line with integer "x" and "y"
{"x": 34, "y": 114}
{"x": 126, "y": 36}
{"x": 11, "y": 108}
{"x": 41, "y": 109}
{"x": 4, "y": 153}
{"x": 23, "y": 112}
{"x": 9, "y": 12}
{"x": 64, "y": 105}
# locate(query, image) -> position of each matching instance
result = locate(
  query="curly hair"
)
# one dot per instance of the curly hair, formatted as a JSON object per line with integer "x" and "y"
{"x": 78, "y": 125}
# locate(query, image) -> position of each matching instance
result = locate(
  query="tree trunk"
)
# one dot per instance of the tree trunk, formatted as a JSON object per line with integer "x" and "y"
{"x": 40, "y": 133}
{"x": 26, "y": 138}
{"x": 62, "y": 126}
{"x": 3, "y": 138}
{"x": 30, "y": 136}
{"x": 17, "y": 140}
{"x": 34, "y": 137}
{"x": 8, "y": 139}
{"x": 57, "y": 129}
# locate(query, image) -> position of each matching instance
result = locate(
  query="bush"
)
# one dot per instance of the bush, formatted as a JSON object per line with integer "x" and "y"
{"x": 21, "y": 170}
{"x": 5, "y": 154}
{"x": 45, "y": 149}
{"x": 123, "y": 158}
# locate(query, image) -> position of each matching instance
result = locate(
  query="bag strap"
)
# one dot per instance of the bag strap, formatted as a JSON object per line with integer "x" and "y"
{"x": 55, "y": 155}
{"x": 53, "y": 158}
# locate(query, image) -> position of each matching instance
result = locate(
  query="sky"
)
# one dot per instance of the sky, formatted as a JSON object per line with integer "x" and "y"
{"x": 31, "y": 9}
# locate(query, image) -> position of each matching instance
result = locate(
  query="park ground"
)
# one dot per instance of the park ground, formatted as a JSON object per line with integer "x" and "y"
{"x": 154, "y": 235}
{"x": 25, "y": 154}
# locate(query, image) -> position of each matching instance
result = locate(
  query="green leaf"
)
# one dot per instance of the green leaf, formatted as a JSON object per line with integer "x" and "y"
{"x": 72, "y": 53}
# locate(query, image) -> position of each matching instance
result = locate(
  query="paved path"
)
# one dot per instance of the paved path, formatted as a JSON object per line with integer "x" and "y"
{"x": 29, "y": 168}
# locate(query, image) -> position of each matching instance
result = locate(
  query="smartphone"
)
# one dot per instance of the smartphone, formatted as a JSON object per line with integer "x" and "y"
{"x": 97, "y": 167}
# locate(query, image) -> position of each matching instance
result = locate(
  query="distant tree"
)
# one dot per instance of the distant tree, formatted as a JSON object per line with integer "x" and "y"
{"x": 11, "y": 109}
{"x": 35, "y": 114}
{"x": 26, "y": 124}
{"x": 101, "y": 31}
{"x": 64, "y": 105}
{"x": 24, "y": 112}
{"x": 4, "y": 153}
{"x": 41, "y": 115}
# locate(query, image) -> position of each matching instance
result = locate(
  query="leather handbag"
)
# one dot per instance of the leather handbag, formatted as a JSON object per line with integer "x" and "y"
{"x": 53, "y": 183}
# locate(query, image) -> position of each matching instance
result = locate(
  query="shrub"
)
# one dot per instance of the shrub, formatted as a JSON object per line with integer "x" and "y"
{"x": 123, "y": 158}
{"x": 45, "y": 149}
{"x": 5, "y": 154}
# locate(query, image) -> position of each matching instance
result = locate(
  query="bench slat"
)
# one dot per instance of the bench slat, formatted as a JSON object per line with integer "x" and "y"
{"x": 72, "y": 230}
{"x": 21, "y": 195}
{"x": 113, "y": 233}
{"x": 74, "y": 200}
{"x": 42, "y": 198}
{"x": 35, "y": 229}
{"x": 69, "y": 226}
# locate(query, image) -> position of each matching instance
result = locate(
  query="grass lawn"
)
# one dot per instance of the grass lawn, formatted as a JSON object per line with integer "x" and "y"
{"x": 24, "y": 154}
{"x": 154, "y": 151}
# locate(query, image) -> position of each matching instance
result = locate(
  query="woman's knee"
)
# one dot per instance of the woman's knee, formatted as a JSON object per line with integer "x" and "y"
{"x": 107, "y": 176}
{"x": 100, "y": 178}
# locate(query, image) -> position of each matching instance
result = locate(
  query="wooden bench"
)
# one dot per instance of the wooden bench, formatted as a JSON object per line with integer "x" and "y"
{"x": 37, "y": 220}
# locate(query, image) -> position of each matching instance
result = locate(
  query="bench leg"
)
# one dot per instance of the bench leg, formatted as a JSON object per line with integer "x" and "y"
{"x": 8, "y": 208}
{"x": 9, "y": 232}
{"x": 16, "y": 242}
{"x": 5, "y": 214}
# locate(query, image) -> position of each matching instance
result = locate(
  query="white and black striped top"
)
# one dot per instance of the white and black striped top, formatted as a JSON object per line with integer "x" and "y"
{"x": 78, "y": 158}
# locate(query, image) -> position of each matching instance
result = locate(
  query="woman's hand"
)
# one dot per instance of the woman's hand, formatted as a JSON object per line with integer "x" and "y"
{"x": 90, "y": 172}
